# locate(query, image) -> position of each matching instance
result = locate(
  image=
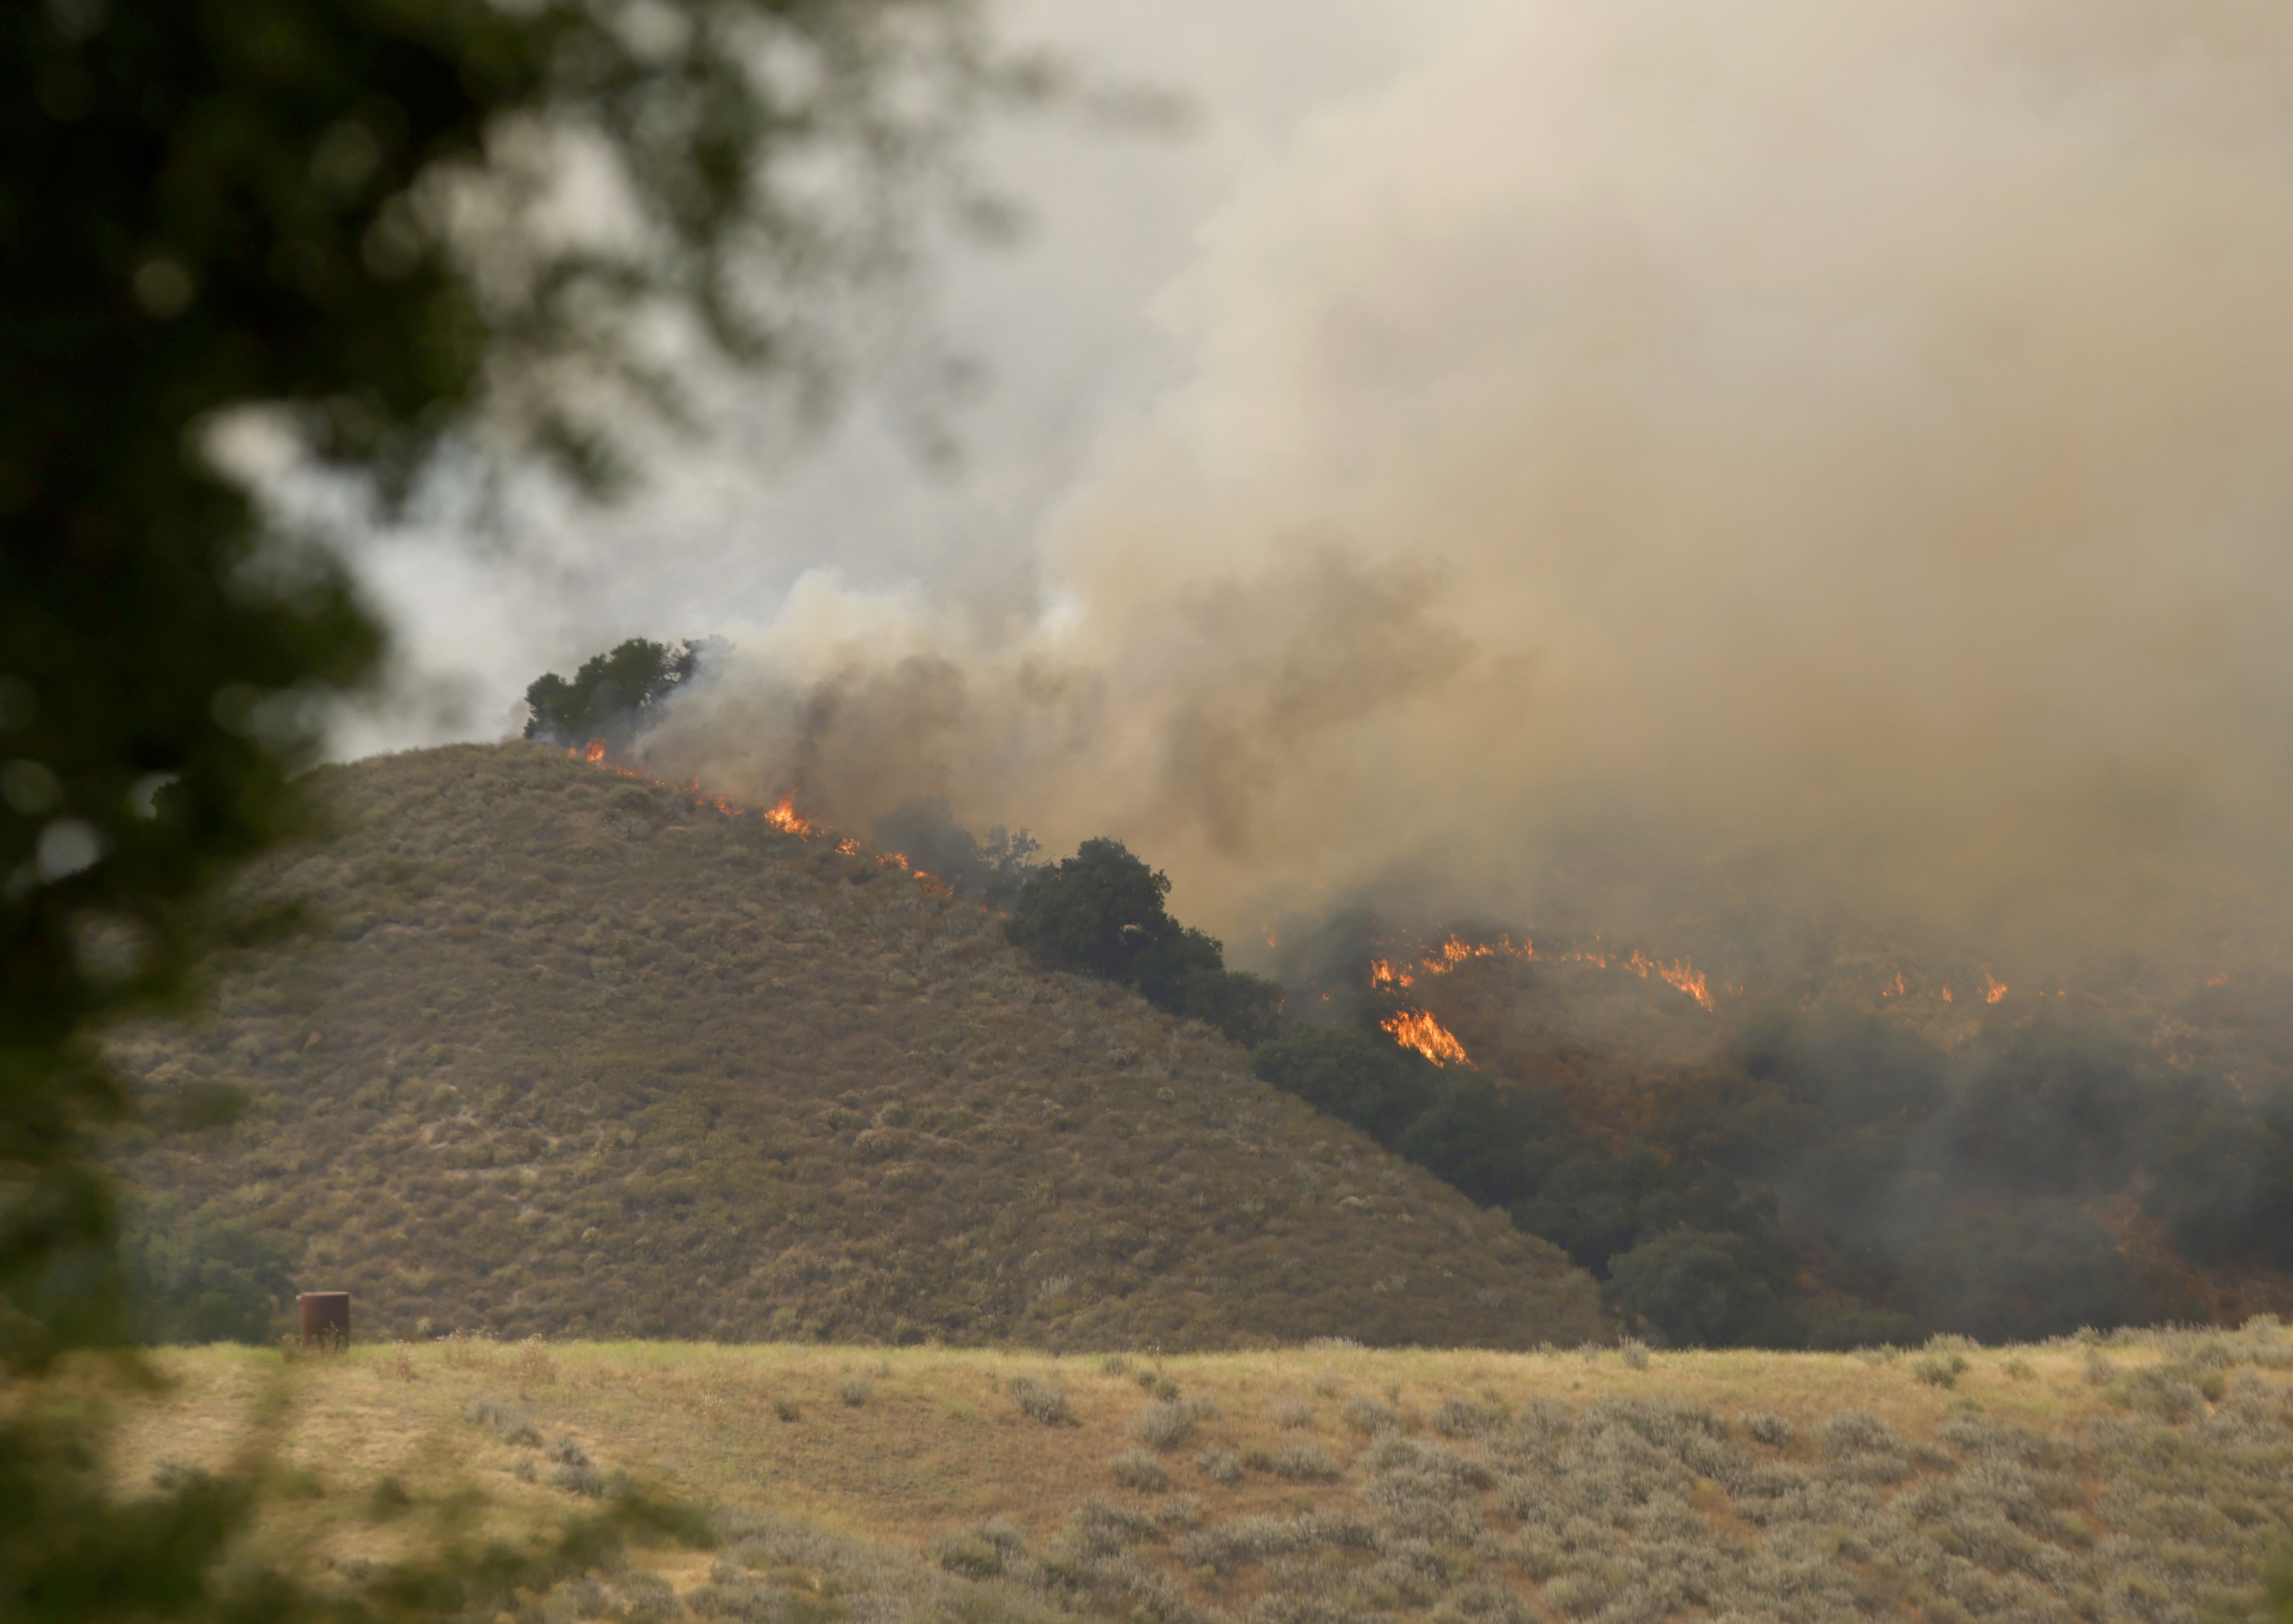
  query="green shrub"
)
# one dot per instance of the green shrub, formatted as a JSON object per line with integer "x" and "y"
{"x": 855, "y": 1389}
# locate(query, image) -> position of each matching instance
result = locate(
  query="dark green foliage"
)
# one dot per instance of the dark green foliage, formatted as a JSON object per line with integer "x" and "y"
{"x": 610, "y": 697}
{"x": 1992, "y": 1271}
{"x": 1101, "y": 913}
{"x": 213, "y": 1280}
{"x": 1357, "y": 1077}
{"x": 1701, "y": 1289}
{"x": 1509, "y": 1146}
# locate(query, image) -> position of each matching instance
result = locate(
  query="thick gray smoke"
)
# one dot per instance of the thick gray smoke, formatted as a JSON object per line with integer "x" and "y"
{"x": 1837, "y": 448}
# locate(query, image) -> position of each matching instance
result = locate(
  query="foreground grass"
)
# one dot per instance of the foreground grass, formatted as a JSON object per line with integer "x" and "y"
{"x": 2146, "y": 1477}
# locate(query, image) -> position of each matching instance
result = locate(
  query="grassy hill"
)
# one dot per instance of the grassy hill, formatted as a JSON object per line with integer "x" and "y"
{"x": 2142, "y": 1477}
{"x": 575, "y": 1054}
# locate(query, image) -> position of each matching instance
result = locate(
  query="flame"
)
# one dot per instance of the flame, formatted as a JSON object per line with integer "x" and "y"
{"x": 1947, "y": 998}
{"x": 1688, "y": 979}
{"x": 1993, "y": 989}
{"x": 847, "y": 846}
{"x": 1895, "y": 988}
{"x": 1416, "y": 1029}
{"x": 1680, "y": 973}
{"x": 785, "y": 818}
{"x": 596, "y": 754}
{"x": 2218, "y": 979}
{"x": 1382, "y": 973}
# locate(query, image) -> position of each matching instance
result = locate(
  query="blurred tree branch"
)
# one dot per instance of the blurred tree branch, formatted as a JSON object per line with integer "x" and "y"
{"x": 387, "y": 224}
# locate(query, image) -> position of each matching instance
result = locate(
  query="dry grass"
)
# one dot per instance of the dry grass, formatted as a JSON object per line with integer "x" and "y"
{"x": 1514, "y": 1485}
{"x": 576, "y": 1056}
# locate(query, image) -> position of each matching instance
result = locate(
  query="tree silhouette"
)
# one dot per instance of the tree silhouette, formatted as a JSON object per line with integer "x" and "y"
{"x": 610, "y": 697}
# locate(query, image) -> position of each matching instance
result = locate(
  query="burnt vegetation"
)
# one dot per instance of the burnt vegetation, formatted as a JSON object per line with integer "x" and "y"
{"x": 1831, "y": 1177}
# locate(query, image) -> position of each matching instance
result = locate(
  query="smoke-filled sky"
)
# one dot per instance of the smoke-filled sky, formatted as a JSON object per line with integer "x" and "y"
{"x": 1523, "y": 453}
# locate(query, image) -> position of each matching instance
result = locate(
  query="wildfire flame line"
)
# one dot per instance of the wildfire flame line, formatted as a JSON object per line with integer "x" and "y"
{"x": 781, "y": 815}
{"x": 1417, "y": 1028}
{"x": 1678, "y": 973}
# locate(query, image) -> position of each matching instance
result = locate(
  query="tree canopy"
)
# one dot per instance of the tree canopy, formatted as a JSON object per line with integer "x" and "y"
{"x": 611, "y": 696}
{"x": 1101, "y": 913}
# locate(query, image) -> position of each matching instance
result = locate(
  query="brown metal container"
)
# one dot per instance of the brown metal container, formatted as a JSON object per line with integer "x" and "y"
{"x": 326, "y": 1317}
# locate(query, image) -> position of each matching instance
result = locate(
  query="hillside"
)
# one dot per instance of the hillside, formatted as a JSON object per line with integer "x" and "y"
{"x": 2144, "y": 1476}
{"x": 575, "y": 1054}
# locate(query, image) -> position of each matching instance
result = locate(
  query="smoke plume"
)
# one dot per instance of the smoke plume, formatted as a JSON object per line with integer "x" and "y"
{"x": 1652, "y": 454}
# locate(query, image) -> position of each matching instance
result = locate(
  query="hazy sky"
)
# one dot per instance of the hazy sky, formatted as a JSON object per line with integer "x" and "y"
{"x": 1071, "y": 329}
{"x": 1782, "y": 446}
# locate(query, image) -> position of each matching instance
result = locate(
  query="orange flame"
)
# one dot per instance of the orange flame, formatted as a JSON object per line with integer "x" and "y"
{"x": 1418, "y": 1030}
{"x": 1680, "y": 973}
{"x": 2219, "y": 979}
{"x": 1688, "y": 979}
{"x": 785, "y": 818}
{"x": 1947, "y": 998}
{"x": 596, "y": 754}
{"x": 1993, "y": 989}
{"x": 1895, "y": 988}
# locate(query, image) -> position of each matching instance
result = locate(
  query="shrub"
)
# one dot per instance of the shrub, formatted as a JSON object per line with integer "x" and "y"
{"x": 1138, "y": 1469}
{"x": 1329, "y": 1384}
{"x": 984, "y": 1551}
{"x": 1635, "y": 1353}
{"x": 566, "y": 1452}
{"x": 1220, "y": 1465}
{"x": 510, "y": 1423}
{"x": 1939, "y": 1369}
{"x": 855, "y": 1389}
{"x": 1042, "y": 1401}
{"x": 1307, "y": 1463}
{"x": 1455, "y": 1417}
{"x": 1771, "y": 1430}
{"x": 786, "y": 1408}
{"x": 1291, "y": 1414}
{"x": 1368, "y": 1417}
{"x": 532, "y": 1364}
{"x": 1867, "y": 1446}
{"x": 583, "y": 1479}
{"x": 1166, "y": 1421}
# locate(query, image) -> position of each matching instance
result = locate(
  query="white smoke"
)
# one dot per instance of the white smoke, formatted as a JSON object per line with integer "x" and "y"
{"x": 1849, "y": 440}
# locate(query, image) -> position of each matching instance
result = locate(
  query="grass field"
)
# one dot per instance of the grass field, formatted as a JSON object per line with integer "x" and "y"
{"x": 2142, "y": 1476}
